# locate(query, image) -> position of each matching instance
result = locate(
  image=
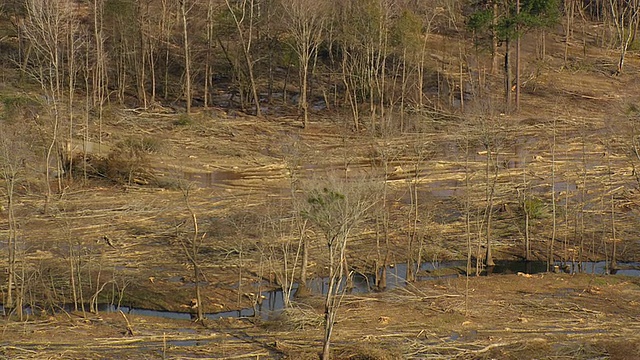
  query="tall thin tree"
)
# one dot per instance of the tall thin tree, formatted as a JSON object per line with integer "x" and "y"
{"x": 306, "y": 23}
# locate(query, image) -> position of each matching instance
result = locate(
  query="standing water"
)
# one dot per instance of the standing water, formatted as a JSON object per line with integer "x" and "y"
{"x": 273, "y": 301}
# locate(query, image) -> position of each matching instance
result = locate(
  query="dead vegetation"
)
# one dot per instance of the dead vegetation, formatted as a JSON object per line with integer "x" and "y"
{"x": 112, "y": 233}
{"x": 542, "y": 317}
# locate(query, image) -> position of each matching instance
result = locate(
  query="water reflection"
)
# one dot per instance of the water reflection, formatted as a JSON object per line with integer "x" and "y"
{"x": 273, "y": 301}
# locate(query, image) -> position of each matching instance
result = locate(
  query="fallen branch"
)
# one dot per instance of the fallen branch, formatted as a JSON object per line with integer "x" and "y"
{"x": 490, "y": 346}
{"x": 8, "y": 347}
{"x": 129, "y": 328}
{"x": 252, "y": 355}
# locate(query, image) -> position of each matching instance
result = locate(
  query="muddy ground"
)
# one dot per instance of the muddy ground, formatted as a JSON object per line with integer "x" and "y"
{"x": 243, "y": 174}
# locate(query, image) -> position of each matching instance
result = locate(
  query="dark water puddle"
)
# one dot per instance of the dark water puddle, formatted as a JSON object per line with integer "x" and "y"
{"x": 273, "y": 301}
{"x": 601, "y": 267}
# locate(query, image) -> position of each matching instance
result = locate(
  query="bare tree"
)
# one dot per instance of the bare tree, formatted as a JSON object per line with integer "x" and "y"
{"x": 293, "y": 159}
{"x": 17, "y": 152}
{"x": 612, "y": 190}
{"x": 306, "y": 22}
{"x": 74, "y": 43}
{"x": 551, "y": 257}
{"x": 191, "y": 247}
{"x": 167, "y": 23}
{"x": 11, "y": 170}
{"x": 526, "y": 207}
{"x": 490, "y": 136}
{"x": 363, "y": 37}
{"x": 47, "y": 27}
{"x": 99, "y": 78}
{"x": 422, "y": 153}
{"x": 187, "y": 56}
{"x": 208, "y": 53}
{"x": 337, "y": 207}
{"x": 141, "y": 50}
{"x": 244, "y": 18}
{"x": 386, "y": 154}
{"x": 467, "y": 217}
{"x": 284, "y": 248}
{"x": 626, "y": 17}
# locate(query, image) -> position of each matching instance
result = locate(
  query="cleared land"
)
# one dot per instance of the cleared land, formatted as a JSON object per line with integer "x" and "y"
{"x": 244, "y": 173}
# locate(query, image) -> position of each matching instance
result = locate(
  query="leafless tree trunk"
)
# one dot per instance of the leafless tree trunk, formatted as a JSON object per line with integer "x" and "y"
{"x": 285, "y": 254}
{"x": 569, "y": 9}
{"x": 626, "y": 17}
{"x": 350, "y": 82}
{"x": 16, "y": 151}
{"x": 187, "y": 56}
{"x": 46, "y": 27}
{"x": 140, "y": 52}
{"x": 494, "y": 39}
{"x": 304, "y": 244}
{"x": 377, "y": 53}
{"x": 490, "y": 139}
{"x": 243, "y": 16}
{"x": 527, "y": 216}
{"x": 550, "y": 259}
{"x": 421, "y": 153}
{"x": 336, "y": 209}
{"x": 73, "y": 44}
{"x": 87, "y": 112}
{"x": 100, "y": 79}
{"x": 191, "y": 248}
{"x": 423, "y": 57}
{"x": 208, "y": 58}
{"x": 490, "y": 190}
{"x": 517, "y": 59}
{"x": 583, "y": 195}
{"x": 166, "y": 26}
{"x": 614, "y": 241}
{"x": 382, "y": 220}
{"x": 306, "y": 22}
{"x": 10, "y": 171}
{"x": 507, "y": 75}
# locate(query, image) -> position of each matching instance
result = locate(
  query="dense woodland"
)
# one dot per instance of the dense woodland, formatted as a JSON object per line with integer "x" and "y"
{"x": 314, "y": 54}
{"x": 374, "y": 59}
{"x": 392, "y": 72}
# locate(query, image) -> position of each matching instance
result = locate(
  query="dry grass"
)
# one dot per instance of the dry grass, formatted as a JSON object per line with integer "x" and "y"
{"x": 244, "y": 168}
{"x": 509, "y": 316}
